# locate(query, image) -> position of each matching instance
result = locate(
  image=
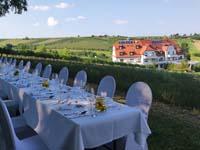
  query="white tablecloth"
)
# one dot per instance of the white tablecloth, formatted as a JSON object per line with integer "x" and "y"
{"x": 59, "y": 131}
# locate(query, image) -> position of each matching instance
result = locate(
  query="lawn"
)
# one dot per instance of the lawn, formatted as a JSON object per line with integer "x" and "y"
{"x": 172, "y": 129}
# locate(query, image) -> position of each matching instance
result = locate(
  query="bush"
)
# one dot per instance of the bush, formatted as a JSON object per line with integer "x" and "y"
{"x": 196, "y": 68}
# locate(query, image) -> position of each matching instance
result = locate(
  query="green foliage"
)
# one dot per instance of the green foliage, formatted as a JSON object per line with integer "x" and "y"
{"x": 18, "y": 6}
{"x": 196, "y": 68}
{"x": 182, "y": 67}
{"x": 193, "y": 51}
{"x": 185, "y": 48}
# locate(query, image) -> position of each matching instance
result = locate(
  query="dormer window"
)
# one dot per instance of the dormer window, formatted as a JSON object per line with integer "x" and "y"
{"x": 131, "y": 53}
{"x": 121, "y": 53}
{"x": 121, "y": 47}
{"x": 138, "y": 46}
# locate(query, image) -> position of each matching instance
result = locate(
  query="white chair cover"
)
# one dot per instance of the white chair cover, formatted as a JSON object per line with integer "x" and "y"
{"x": 1, "y": 59}
{"x": 5, "y": 60}
{"x": 11, "y": 140}
{"x": 21, "y": 65}
{"x": 140, "y": 95}
{"x": 63, "y": 75}
{"x": 10, "y": 61}
{"x": 27, "y": 66}
{"x": 14, "y": 62}
{"x": 7, "y": 128}
{"x": 107, "y": 87}
{"x": 47, "y": 71}
{"x": 80, "y": 79}
{"x": 38, "y": 68}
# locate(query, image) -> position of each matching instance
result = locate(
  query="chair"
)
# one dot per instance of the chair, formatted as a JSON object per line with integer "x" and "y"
{"x": 14, "y": 62}
{"x": 47, "y": 71}
{"x": 11, "y": 140}
{"x": 140, "y": 95}
{"x": 63, "y": 75}
{"x": 38, "y": 69}
{"x": 5, "y": 61}
{"x": 107, "y": 87}
{"x": 1, "y": 59}
{"x": 27, "y": 66}
{"x": 21, "y": 65}
{"x": 80, "y": 79}
{"x": 10, "y": 61}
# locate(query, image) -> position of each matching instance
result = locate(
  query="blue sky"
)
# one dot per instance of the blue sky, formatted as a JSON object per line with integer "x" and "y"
{"x": 58, "y": 18}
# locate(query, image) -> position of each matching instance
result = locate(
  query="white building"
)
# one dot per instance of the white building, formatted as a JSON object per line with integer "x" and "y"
{"x": 147, "y": 52}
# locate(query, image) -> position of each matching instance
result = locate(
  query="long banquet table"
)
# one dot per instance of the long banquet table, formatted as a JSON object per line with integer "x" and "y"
{"x": 68, "y": 124}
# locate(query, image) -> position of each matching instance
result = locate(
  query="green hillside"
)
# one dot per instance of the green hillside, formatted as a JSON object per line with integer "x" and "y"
{"x": 101, "y": 43}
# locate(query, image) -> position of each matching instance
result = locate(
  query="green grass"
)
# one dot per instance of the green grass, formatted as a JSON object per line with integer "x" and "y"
{"x": 171, "y": 132}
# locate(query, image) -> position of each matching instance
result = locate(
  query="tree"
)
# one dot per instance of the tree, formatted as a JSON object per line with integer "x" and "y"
{"x": 185, "y": 47}
{"x": 17, "y": 6}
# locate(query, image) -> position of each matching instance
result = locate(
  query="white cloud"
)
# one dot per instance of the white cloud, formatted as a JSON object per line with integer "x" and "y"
{"x": 52, "y": 21}
{"x": 166, "y": 1}
{"x": 71, "y": 19}
{"x": 120, "y": 21}
{"x": 40, "y": 7}
{"x": 63, "y": 5}
{"x": 36, "y": 24}
{"x": 81, "y": 18}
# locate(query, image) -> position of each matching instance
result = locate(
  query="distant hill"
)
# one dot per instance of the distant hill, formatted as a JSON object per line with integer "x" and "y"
{"x": 101, "y": 43}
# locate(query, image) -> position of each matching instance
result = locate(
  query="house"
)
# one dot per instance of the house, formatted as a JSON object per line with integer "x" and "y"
{"x": 147, "y": 52}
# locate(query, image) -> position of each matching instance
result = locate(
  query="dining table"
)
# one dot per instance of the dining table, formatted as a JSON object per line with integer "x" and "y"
{"x": 65, "y": 117}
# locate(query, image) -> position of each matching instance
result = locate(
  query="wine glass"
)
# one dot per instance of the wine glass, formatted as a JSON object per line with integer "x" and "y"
{"x": 92, "y": 103}
{"x": 61, "y": 84}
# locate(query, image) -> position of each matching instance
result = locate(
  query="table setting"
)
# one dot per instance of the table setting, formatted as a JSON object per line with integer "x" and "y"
{"x": 74, "y": 116}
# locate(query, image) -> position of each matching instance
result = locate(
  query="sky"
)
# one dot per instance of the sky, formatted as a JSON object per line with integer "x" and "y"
{"x": 64, "y": 18}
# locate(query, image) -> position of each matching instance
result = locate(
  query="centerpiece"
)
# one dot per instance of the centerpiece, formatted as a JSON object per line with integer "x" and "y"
{"x": 45, "y": 84}
{"x": 100, "y": 104}
{"x": 16, "y": 73}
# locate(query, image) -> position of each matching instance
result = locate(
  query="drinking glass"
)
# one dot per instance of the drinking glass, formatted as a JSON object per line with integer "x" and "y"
{"x": 61, "y": 84}
{"x": 92, "y": 103}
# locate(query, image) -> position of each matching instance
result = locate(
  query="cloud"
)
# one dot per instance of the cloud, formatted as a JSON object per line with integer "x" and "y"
{"x": 81, "y": 18}
{"x": 166, "y": 1}
{"x": 40, "y": 7}
{"x": 63, "y": 5}
{"x": 52, "y": 21}
{"x": 71, "y": 19}
{"x": 36, "y": 24}
{"x": 120, "y": 21}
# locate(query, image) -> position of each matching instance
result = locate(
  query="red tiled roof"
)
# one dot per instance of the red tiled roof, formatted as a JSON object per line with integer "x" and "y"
{"x": 135, "y": 48}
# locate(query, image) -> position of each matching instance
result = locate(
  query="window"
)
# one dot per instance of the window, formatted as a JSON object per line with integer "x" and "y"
{"x": 131, "y": 53}
{"x": 121, "y": 60}
{"x": 138, "y": 46}
{"x": 121, "y": 53}
{"x": 121, "y": 47}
